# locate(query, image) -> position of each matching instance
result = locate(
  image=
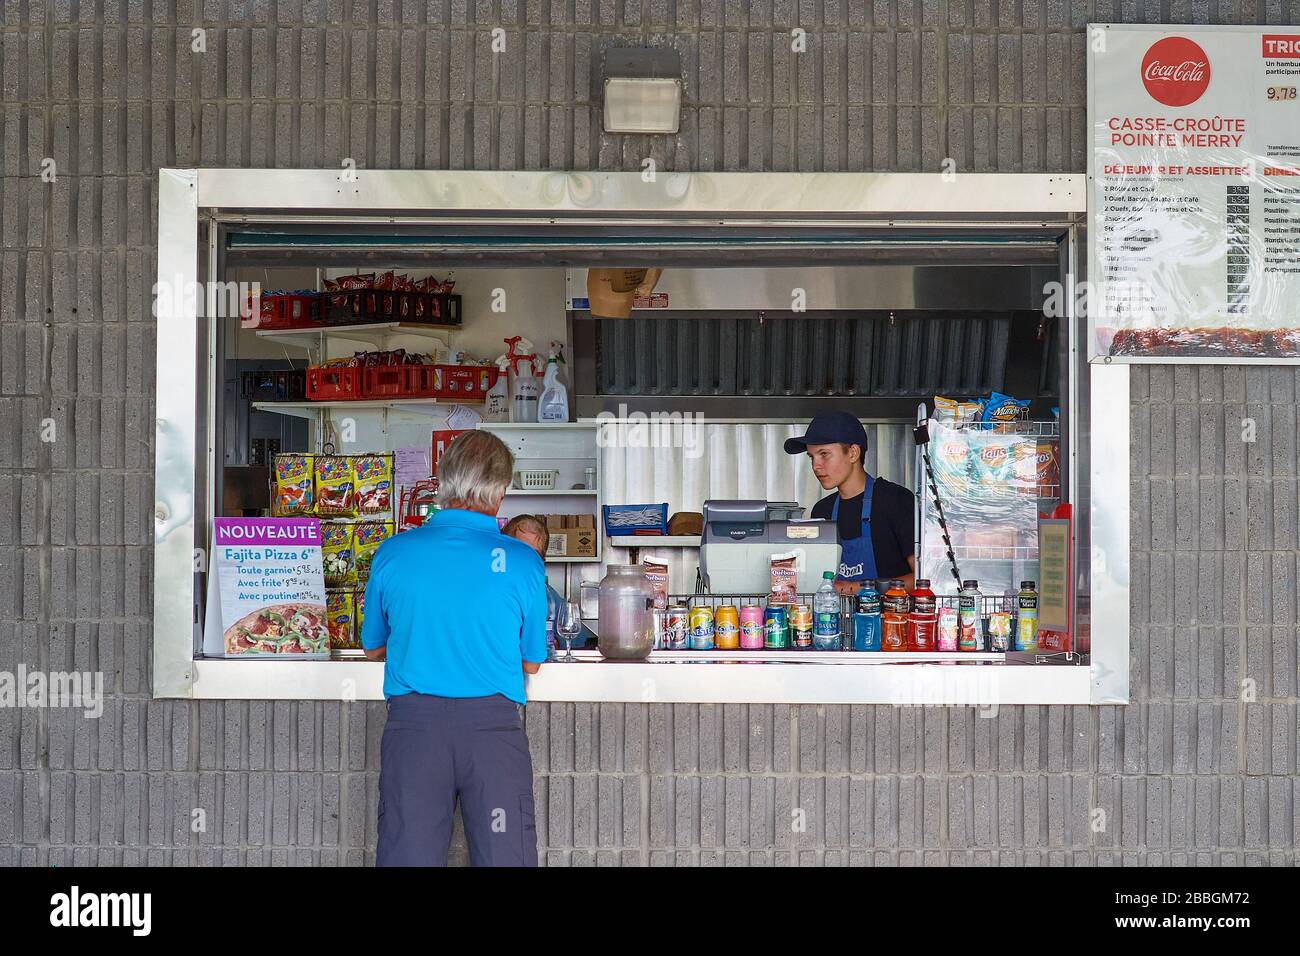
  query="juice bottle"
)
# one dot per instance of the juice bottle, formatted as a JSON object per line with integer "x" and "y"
{"x": 894, "y": 607}
{"x": 922, "y": 618}
{"x": 970, "y": 635}
{"x": 1027, "y": 617}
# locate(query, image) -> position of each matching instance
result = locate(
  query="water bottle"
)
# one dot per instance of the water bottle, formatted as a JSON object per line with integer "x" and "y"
{"x": 826, "y": 615}
{"x": 866, "y": 621}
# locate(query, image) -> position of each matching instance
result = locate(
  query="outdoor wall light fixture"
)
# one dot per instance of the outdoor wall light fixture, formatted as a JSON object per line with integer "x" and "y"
{"x": 643, "y": 90}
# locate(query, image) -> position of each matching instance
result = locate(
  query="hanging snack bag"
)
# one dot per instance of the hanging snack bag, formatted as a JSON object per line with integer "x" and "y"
{"x": 335, "y": 486}
{"x": 785, "y": 578}
{"x": 1003, "y": 408}
{"x": 993, "y": 468}
{"x": 374, "y": 482}
{"x": 369, "y": 536}
{"x": 294, "y": 488}
{"x": 337, "y": 553}
{"x": 656, "y": 573}
{"x": 340, "y": 615}
{"x": 950, "y": 460}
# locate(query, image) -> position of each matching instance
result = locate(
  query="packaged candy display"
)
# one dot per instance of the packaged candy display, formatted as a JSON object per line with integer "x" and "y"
{"x": 294, "y": 486}
{"x": 374, "y": 484}
{"x": 338, "y": 556}
{"x": 369, "y": 535}
{"x": 335, "y": 486}
{"x": 340, "y": 616}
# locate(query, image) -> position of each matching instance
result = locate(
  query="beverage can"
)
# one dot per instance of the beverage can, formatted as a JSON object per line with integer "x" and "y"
{"x": 726, "y": 627}
{"x": 701, "y": 628}
{"x": 678, "y": 636}
{"x": 1000, "y": 630}
{"x": 751, "y": 627}
{"x": 659, "y": 628}
{"x": 776, "y": 627}
{"x": 801, "y": 625}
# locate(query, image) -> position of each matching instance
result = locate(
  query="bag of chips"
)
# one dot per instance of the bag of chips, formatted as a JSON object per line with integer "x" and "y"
{"x": 1004, "y": 408}
{"x": 369, "y": 536}
{"x": 335, "y": 486}
{"x": 951, "y": 411}
{"x": 374, "y": 483}
{"x": 337, "y": 553}
{"x": 950, "y": 461}
{"x": 785, "y": 578}
{"x": 992, "y": 466}
{"x": 294, "y": 488}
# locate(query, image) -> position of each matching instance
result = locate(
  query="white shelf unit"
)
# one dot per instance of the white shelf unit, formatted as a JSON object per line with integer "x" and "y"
{"x": 655, "y": 541}
{"x": 377, "y": 335}
{"x": 567, "y": 447}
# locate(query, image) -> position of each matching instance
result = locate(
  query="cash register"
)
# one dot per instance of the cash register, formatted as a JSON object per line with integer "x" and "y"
{"x": 741, "y": 536}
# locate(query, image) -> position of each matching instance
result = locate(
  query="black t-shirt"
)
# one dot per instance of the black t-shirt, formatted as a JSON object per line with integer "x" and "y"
{"x": 893, "y": 524}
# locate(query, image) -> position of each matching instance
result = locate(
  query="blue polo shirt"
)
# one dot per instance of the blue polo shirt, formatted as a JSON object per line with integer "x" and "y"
{"x": 460, "y": 607}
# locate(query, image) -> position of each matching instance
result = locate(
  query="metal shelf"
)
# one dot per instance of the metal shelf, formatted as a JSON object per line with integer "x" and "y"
{"x": 655, "y": 541}
{"x": 573, "y": 560}
{"x": 376, "y": 334}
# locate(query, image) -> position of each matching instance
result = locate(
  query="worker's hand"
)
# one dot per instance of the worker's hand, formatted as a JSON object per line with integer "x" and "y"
{"x": 377, "y": 653}
{"x": 847, "y": 588}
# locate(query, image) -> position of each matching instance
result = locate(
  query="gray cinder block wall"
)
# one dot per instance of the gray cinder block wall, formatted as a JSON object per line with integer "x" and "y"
{"x": 111, "y": 91}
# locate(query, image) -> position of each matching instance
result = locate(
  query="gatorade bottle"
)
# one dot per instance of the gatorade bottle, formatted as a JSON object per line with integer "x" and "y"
{"x": 866, "y": 622}
{"x": 970, "y": 634}
{"x": 894, "y": 607}
{"x": 826, "y": 615}
{"x": 922, "y": 618}
{"x": 1027, "y": 617}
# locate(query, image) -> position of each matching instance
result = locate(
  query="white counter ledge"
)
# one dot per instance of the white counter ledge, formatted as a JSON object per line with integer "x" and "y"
{"x": 817, "y": 678}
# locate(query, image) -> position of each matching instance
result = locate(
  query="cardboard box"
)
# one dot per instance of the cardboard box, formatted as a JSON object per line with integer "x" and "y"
{"x": 572, "y": 543}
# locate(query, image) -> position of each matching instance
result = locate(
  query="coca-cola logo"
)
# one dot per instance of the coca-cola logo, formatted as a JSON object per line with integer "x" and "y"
{"x": 1175, "y": 71}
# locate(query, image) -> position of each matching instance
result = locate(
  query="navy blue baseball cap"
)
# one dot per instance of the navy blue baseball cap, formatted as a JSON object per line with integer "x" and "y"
{"x": 827, "y": 428}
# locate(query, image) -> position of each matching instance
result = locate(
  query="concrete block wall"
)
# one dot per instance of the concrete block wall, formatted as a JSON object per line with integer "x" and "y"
{"x": 1198, "y": 769}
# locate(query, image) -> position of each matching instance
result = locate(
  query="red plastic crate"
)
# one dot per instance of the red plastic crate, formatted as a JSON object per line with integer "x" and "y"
{"x": 362, "y": 306}
{"x": 333, "y": 384}
{"x": 389, "y": 381}
{"x": 279, "y": 312}
{"x": 464, "y": 383}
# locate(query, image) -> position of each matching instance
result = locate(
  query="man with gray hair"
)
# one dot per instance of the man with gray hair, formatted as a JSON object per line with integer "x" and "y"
{"x": 457, "y": 611}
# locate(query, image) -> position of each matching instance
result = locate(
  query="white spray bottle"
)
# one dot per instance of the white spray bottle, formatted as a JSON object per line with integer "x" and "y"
{"x": 496, "y": 406}
{"x": 523, "y": 385}
{"x": 554, "y": 404}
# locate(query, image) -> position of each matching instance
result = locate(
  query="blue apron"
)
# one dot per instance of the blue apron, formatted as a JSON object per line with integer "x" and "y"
{"x": 858, "y": 556}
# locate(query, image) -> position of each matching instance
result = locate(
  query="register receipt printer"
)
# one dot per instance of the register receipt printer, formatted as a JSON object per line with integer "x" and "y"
{"x": 740, "y": 538}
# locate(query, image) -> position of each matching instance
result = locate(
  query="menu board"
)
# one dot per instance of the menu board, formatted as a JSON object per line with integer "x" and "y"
{"x": 1054, "y": 574}
{"x": 1194, "y": 192}
{"x": 266, "y": 590}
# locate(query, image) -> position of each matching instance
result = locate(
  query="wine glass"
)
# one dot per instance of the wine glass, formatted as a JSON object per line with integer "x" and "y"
{"x": 568, "y": 624}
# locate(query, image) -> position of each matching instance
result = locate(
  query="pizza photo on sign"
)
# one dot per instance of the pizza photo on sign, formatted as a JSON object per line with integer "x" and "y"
{"x": 282, "y": 629}
{"x": 1194, "y": 193}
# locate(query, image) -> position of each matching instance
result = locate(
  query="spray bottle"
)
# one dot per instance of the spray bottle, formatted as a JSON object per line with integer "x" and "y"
{"x": 522, "y": 380}
{"x": 554, "y": 404}
{"x": 496, "y": 407}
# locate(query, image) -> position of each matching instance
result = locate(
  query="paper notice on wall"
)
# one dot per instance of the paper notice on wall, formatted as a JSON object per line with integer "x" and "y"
{"x": 462, "y": 418}
{"x": 410, "y": 465}
{"x": 1194, "y": 192}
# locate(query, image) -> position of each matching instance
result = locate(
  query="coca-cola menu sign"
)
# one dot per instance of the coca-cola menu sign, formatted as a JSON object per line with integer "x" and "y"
{"x": 1194, "y": 193}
